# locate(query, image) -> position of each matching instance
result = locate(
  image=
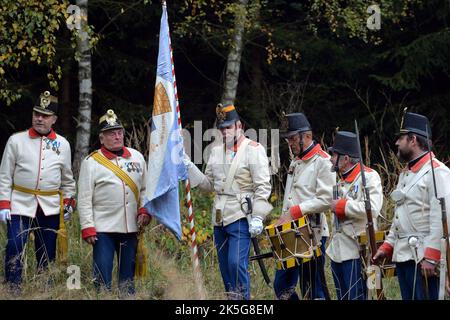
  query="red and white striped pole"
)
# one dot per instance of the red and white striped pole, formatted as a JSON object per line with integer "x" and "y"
{"x": 195, "y": 259}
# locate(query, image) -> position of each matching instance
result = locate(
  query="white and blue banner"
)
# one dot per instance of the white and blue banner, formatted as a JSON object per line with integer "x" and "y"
{"x": 165, "y": 167}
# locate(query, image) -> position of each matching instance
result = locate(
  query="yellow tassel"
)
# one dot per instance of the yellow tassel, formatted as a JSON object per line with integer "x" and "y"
{"x": 140, "y": 270}
{"x": 62, "y": 245}
{"x": 62, "y": 240}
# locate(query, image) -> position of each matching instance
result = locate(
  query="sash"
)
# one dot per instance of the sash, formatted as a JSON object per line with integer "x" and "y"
{"x": 118, "y": 172}
{"x": 62, "y": 239}
{"x": 398, "y": 195}
{"x": 231, "y": 173}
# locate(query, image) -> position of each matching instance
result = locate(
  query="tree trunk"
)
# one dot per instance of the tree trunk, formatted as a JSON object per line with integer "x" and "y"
{"x": 256, "y": 85}
{"x": 85, "y": 95}
{"x": 66, "y": 114}
{"x": 234, "y": 56}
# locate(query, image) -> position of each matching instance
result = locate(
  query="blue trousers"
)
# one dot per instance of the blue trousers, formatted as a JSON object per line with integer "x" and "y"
{"x": 415, "y": 291}
{"x": 308, "y": 274}
{"x": 18, "y": 230}
{"x": 125, "y": 247}
{"x": 348, "y": 280}
{"x": 233, "y": 249}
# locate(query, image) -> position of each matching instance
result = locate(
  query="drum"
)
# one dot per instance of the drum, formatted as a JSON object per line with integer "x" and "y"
{"x": 387, "y": 266}
{"x": 293, "y": 243}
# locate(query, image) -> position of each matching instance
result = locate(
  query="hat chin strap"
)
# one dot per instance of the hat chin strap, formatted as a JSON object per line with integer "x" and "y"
{"x": 237, "y": 137}
{"x": 301, "y": 142}
{"x": 336, "y": 165}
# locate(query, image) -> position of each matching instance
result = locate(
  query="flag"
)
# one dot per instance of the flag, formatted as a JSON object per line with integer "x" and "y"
{"x": 165, "y": 167}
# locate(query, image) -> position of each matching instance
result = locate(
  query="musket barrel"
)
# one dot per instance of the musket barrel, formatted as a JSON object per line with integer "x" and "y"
{"x": 368, "y": 207}
{"x": 446, "y": 247}
{"x": 443, "y": 218}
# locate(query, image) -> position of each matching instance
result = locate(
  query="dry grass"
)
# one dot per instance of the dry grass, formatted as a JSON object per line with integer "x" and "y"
{"x": 169, "y": 277}
{"x": 170, "y": 274}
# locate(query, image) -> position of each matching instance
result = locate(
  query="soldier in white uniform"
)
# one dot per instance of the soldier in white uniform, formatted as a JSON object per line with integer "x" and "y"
{"x": 35, "y": 173}
{"x": 111, "y": 191}
{"x": 236, "y": 170}
{"x": 309, "y": 191}
{"x": 414, "y": 238}
{"x": 350, "y": 219}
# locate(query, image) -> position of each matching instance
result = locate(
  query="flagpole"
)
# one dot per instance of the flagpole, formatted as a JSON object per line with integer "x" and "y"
{"x": 194, "y": 251}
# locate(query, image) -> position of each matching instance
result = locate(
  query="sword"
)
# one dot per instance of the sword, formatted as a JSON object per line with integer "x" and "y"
{"x": 256, "y": 247}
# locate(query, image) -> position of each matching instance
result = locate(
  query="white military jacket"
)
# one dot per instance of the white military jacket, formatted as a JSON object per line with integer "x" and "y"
{"x": 309, "y": 189}
{"x": 252, "y": 179}
{"x": 105, "y": 202}
{"x": 417, "y": 211}
{"x": 39, "y": 163}
{"x": 350, "y": 218}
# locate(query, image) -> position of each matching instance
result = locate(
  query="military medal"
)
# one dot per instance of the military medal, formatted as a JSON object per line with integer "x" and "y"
{"x": 354, "y": 192}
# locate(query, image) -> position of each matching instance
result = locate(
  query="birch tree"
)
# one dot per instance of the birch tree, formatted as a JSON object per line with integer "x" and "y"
{"x": 83, "y": 56}
{"x": 223, "y": 26}
{"x": 234, "y": 56}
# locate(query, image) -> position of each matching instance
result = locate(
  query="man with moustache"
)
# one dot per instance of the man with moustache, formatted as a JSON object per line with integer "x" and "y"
{"x": 237, "y": 170}
{"x": 350, "y": 217}
{"x": 414, "y": 238}
{"x": 35, "y": 177}
{"x": 309, "y": 192}
{"x": 111, "y": 190}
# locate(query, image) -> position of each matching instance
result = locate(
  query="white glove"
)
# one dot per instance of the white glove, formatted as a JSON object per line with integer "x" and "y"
{"x": 68, "y": 210}
{"x": 186, "y": 160}
{"x": 256, "y": 226}
{"x": 5, "y": 215}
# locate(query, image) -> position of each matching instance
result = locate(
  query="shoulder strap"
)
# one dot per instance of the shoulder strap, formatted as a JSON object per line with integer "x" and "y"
{"x": 234, "y": 165}
{"x": 289, "y": 184}
{"x": 230, "y": 177}
{"x": 423, "y": 171}
{"x": 118, "y": 172}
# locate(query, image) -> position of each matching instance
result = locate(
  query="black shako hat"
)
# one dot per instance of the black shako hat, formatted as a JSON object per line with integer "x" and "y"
{"x": 294, "y": 123}
{"x": 415, "y": 123}
{"x": 226, "y": 115}
{"x": 345, "y": 143}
